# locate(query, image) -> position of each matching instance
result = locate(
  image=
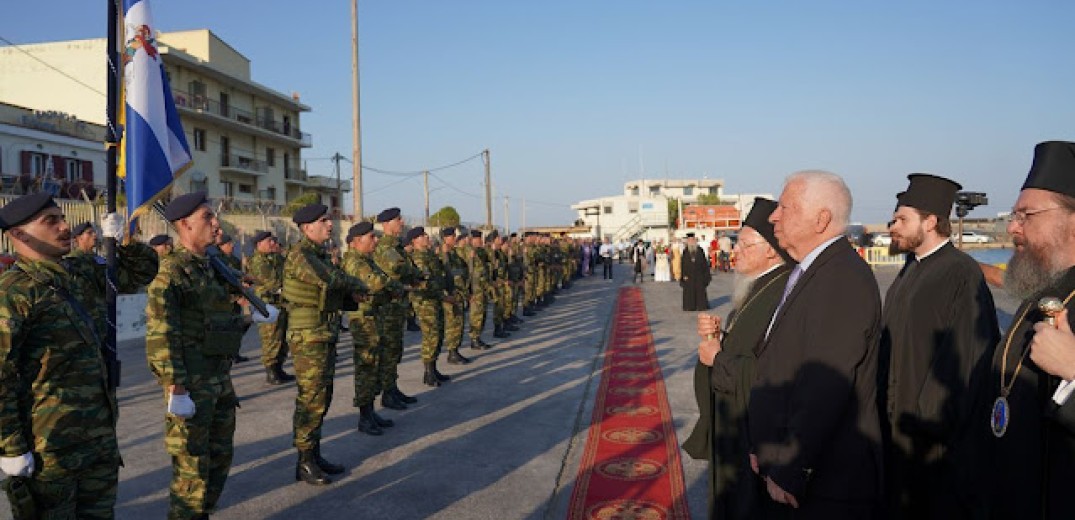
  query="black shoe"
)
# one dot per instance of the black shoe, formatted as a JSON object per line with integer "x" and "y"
{"x": 484, "y": 344}
{"x": 403, "y": 397}
{"x": 513, "y": 319}
{"x": 429, "y": 378}
{"x": 498, "y": 332}
{"x": 326, "y": 466}
{"x": 478, "y": 344}
{"x": 366, "y": 423}
{"x": 412, "y": 325}
{"x": 381, "y": 421}
{"x": 239, "y": 358}
{"x": 390, "y": 401}
{"x": 455, "y": 358}
{"x": 509, "y": 327}
{"x": 440, "y": 377}
{"x": 283, "y": 376}
{"x": 271, "y": 377}
{"x": 528, "y": 312}
{"x": 308, "y": 471}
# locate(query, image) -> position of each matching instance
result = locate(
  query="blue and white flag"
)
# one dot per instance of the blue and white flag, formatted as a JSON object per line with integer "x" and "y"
{"x": 154, "y": 149}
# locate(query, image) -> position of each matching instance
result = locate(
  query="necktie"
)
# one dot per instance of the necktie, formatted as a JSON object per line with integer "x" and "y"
{"x": 795, "y": 274}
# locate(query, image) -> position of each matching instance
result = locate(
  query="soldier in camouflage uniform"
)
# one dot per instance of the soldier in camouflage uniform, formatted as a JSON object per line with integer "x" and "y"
{"x": 478, "y": 268}
{"x": 226, "y": 247}
{"x": 191, "y": 336}
{"x": 502, "y": 285}
{"x": 427, "y": 297}
{"x": 391, "y": 258}
{"x": 530, "y": 273}
{"x": 315, "y": 291}
{"x": 267, "y": 267}
{"x": 454, "y": 315}
{"x": 516, "y": 275}
{"x": 58, "y": 409}
{"x": 162, "y": 245}
{"x": 365, "y": 325}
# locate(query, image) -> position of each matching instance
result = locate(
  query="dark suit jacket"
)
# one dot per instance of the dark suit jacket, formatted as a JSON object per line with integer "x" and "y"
{"x": 813, "y": 414}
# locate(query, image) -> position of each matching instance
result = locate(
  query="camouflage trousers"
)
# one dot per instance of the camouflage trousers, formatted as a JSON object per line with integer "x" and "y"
{"x": 201, "y": 446}
{"x": 273, "y": 341}
{"x": 368, "y": 356}
{"x": 503, "y": 303}
{"x": 453, "y": 321}
{"x": 542, "y": 282}
{"x": 314, "y": 352}
{"x": 530, "y": 289}
{"x": 431, "y": 320}
{"x": 392, "y": 318}
{"x": 478, "y": 301}
{"x": 90, "y": 493}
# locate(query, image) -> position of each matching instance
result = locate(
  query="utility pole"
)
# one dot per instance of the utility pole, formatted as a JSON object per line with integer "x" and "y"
{"x": 507, "y": 218}
{"x": 488, "y": 192}
{"x": 356, "y": 128}
{"x": 425, "y": 175}
{"x": 339, "y": 186}
{"x": 523, "y": 227}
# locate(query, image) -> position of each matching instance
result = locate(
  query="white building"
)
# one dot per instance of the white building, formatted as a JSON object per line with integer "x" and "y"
{"x": 50, "y": 151}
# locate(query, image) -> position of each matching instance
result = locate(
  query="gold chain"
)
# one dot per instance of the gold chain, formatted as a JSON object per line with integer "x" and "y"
{"x": 1006, "y": 388}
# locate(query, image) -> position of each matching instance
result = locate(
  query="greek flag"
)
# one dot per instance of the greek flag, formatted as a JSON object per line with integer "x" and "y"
{"x": 154, "y": 149}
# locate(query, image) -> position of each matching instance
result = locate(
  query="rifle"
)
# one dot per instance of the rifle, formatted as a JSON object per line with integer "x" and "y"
{"x": 18, "y": 494}
{"x": 233, "y": 277}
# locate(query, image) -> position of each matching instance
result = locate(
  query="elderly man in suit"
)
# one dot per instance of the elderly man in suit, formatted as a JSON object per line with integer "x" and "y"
{"x": 814, "y": 426}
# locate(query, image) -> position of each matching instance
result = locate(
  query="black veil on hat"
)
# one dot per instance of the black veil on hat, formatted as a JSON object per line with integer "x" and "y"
{"x": 929, "y": 193}
{"x": 1053, "y": 168}
{"x": 758, "y": 219}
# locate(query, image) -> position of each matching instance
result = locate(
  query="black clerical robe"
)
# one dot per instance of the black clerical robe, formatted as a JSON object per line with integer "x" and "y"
{"x": 939, "y": 329}
{"x": 1034, "y": 471}
{"x": 694, "y": 280}
{"x": 722, "y": 392}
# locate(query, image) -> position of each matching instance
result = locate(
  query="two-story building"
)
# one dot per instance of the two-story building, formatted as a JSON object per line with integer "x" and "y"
{"x": 245, "y": 138}
{"x": 50, "y": 151}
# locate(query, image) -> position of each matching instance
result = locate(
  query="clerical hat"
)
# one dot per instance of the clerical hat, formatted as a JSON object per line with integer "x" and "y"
{"x": 388, "y": 214}
{"x": 183, "y": 205}
{"x": 360, "y": 229}
{"x": 929, "y": 193}
{"x": 758, "y": 220}
{"x": 309, "y": 213}
{"x": 690, "y": 235}
{"x": 1053, "y": 168}
{"x": 80, "y": 229}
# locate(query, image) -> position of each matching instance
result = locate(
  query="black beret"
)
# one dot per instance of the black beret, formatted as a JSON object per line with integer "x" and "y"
{"x": 491, "y": 236}
{"x": 309, "y": 213}
{"x": 1053, "y": 168}
{"x": 447, "y": 232}
{"x": 929, "y": 193}
{"x": 357, "y": 230}
{"x": 475, "y": 233}
{"x": 413, "y": 233}
{"x": 23, "y": 208}
{"x": 387, "y": 214}
{"x": 184, "y": 205}
{"x": 224, "y": 239}
{"x": 261, "y": 235}
{"x": 81, "y": 228}
{"x": 514, "y": 235}
{"x": 159, "y": 240}
{"x": 758, "y": 219}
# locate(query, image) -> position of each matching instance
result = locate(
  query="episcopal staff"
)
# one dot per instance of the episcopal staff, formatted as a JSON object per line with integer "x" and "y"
{"x": 725, "y": 368}
{"x": 939, "y": 329}
{"x": 813, "y": 413}
{"x": 1033, "y": 416}
{"x": 695, "y": 277}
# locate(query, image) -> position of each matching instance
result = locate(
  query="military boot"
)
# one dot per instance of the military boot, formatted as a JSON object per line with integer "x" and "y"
{"x": 412, "y": 325}
{"x": 326, "y": 466}
{"x": 308, "y": 471}
{"x": 366, "y": 423}
{"x": 389, "y": 400}
{"x": 440, "y": 377}
{"x": 284, "y": 377}
{"x": 402, "y": 396}
{"x": 381, "y": 421}
{"x": 498, "y": 332}
{"x": 515, "y": 320}
{"x": 271, "y": 377}
{"x": 478, "y": 344}
{"x": 510, "y": 327}
{"x": 527, "y": 311}
{"x": 455, "y": 358}
{"x": 429, "y": 378}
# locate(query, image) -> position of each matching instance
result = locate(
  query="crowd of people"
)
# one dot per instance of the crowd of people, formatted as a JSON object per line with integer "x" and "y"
{"x": 818, "y": 402}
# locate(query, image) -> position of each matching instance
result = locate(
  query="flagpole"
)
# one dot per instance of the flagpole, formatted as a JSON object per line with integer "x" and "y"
{"x": 111, "y": 147}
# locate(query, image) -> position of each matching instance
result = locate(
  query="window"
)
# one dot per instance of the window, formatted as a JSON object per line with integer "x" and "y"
{"x": 199, "y": 139}
{"x": 224, "y": 104}
{"x": 38, "y": 163}
{"x": 201, "y": 185}
{"x": 654, "y": 190}
{"x": 72, "y": 170}
{"x": 688, "y": 191}
{"x": 229, "y": 188}
{"x": 246, "y": 188}
{"x": 270, "y": 157}
{"x": 199, "y": 96}
{"x": 608, "y": 210}
{"x": 632, "y": 207}
{"x": 634, "y": 191}
{"x": 270, "y": 193}
{"x": 713, "y": 190}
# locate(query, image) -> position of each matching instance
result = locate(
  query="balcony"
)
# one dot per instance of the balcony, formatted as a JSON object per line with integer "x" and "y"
{"x": 295, "y": 176}
{"x": 321, "y": 183}
{"x": 242, "y": 164}
{"x": 201, "y": 104}
{"x": 58, "y": 187}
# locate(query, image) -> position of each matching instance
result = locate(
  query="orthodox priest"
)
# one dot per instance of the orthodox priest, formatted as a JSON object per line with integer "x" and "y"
{"x": 938, "y": 332}
{"x": 725, "y": 368}
{"x": 1033, "y": 414}
{"x": 695, "y": 276}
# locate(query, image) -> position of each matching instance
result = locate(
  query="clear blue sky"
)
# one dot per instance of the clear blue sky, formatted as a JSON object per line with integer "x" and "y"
{"x": 573, "y": 98}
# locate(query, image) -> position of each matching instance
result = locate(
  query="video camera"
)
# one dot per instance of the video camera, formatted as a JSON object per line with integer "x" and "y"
{"x": 968, "y": 200}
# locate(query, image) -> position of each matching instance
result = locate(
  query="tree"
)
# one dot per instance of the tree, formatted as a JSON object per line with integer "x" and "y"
{"x": 297, "y": 203}
{"x": 709, "y": 199}
{"x": 444, "y": 217}
{"x": 673, "y": 212}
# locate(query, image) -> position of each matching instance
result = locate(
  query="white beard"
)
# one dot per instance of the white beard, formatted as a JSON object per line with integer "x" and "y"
{"x": 741, "y": 286}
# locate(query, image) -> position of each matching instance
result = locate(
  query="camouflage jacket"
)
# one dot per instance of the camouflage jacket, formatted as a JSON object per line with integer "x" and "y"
{"x": 191, "y": 329}
{"x": 481, "y": 275}
{"x": 436, "y": 281}
{"x": 315, "y": 288}
{"x": 137, "y": 267}
{"x": 392, "y": 259}
{"x": 500, "y": 265}
{"x": 54, "y": 398}
{"x": 268, "y": 269}
{"x": 383, "y": 288}
{"x": 456, "y": 268}
{"x": 516, "y": 264}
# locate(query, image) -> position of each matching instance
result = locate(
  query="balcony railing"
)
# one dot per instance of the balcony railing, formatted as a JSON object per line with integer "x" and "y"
{"x": 240, "y": 162}
{"x": 185, "y": 99}
{"x": 295, "y": 174}
{"x": 60, "y": 188}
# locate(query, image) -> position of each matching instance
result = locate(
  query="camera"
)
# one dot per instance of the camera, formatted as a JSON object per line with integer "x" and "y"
{"x": 968, "y": 200}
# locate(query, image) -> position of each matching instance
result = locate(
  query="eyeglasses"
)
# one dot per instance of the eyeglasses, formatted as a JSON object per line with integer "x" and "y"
{"x": 1020, "y": 216}
{"x": 744, "y": 245}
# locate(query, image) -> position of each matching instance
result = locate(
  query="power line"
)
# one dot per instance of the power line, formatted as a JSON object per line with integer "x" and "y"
{"x": 49, "y": 65}
{"x": 420, "y": 172}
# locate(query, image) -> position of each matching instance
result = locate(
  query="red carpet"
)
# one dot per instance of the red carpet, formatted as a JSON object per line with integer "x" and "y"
{"x": 630, "y": 468}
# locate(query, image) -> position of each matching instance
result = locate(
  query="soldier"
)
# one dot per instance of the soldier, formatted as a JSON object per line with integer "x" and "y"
{"x": 84, "y": 241}
{"x": 427, "y": 297}
{"x": 391, "y": 258}
{"x": 478, "y": 268}
{"x": 226, "y": 246}
{"x": 366, "y": 325}
{"x": 267, "y": 267}
{"x": 162, "y": 244}
{"x": 498, "y": 282}
{"x": 503, "y": 284}
{"x": 192, "y": 335}
{"x": 315, "y": 291}
{"x": 516, "y": 269}
{"x": 456, "y": 266}
{"x": 57, "y": 406}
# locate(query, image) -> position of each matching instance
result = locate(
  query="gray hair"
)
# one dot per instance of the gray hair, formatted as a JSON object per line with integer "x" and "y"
{"x": 825, "y": 190}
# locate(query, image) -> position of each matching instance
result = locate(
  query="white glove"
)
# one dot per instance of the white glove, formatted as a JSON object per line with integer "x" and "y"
{"x": 257, "y": 317}
{"x": 112, "y": 226}
{"x": 21, "y": 466}
{"x": 181, "y": 406}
